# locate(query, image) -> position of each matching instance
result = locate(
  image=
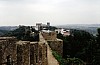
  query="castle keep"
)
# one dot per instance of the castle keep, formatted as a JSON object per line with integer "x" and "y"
{"x": 14, "y": 52}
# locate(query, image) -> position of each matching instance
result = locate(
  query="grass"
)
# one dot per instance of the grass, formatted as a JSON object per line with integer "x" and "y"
{"x": 59, "y": 58}
{"x": 69, "y": 61}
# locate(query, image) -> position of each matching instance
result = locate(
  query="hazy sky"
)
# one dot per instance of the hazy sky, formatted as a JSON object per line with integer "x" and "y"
{"x": 58, "y": 12}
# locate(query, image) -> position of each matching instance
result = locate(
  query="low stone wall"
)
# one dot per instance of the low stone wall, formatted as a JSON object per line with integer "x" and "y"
{"x": 56, "y": 45}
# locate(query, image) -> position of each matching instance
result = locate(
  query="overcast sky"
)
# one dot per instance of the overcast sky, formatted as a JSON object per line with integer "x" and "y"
{"x": 57, "y": 12}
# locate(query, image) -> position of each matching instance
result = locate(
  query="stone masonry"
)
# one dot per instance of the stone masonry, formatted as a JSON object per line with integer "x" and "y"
{"x": 7, "y": 47}
{"x": 49, "y": 35}
{"x": 23, "y": 52}
{"x": 14, "y": 52}
{"x": 54, "y": 43}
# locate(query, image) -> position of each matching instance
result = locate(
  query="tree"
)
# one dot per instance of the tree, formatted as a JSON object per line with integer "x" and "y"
{"x": 97, "y": 49}
{"x": 78, "y": 45}
{"x": 24, "y": 33}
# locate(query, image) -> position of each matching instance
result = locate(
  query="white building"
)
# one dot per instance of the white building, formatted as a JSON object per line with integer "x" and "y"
{"x": 63, "y": 31}
{"x": 40, "y": 26}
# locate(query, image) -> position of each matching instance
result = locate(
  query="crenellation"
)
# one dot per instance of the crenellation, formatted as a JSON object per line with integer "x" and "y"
{"x": 19, "y": 55}
{"x": 55, "y": 44}
{"x": 1, "y": 53}
{"x": 49, "y": 35}
{"x": 8, "y": 48}
{"x": 32, "y": 55}
{"x": 26, "y": 52}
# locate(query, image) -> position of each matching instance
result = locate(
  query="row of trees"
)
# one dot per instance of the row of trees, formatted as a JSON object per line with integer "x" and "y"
{"x": 83, "y": 45}
{"x": 24, "y": 33}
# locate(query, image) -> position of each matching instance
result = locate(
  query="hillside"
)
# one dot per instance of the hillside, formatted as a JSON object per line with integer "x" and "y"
{"x": 6, "y": 29}
{"x": 91, "y": 28}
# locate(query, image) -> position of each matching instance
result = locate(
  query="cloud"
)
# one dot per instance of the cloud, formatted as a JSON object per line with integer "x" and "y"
{"x": 56, "y": 11}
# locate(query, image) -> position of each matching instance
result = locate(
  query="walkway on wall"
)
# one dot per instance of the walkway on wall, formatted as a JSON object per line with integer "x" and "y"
{"x": 51, "y": 58}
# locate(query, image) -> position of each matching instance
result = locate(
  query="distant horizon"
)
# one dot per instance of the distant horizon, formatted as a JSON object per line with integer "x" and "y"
{"x": 51, "y": 25}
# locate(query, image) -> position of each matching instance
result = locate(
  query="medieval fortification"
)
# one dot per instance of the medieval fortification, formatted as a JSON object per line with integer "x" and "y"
{"x": 15, "y": 52}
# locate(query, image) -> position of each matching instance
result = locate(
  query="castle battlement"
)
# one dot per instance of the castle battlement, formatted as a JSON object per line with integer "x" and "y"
{"x": 17, "y": 52}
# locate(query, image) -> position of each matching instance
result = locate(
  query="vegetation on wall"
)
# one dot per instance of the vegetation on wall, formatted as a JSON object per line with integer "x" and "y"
{"x": 59, "y": 58}
{"x": 68, "y": 61}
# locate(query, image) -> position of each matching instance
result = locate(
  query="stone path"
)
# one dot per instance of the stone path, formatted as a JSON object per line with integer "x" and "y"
{"x": 51, "y": 58}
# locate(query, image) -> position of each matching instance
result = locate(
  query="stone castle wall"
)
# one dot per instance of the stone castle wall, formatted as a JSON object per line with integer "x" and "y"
{"x": 7, "y": 47}
{"x": 29, "y": 53}
{"x": 49, "y": 35}
{"x": 56, "y": 45}
{"x": 23, "y": 52}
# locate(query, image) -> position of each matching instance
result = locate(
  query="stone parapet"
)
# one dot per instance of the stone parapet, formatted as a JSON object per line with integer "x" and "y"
{"x": 7, "y": 48}
{"x": 56, "y": 45}
{"x": 28, "y": 53}
{"x": 49, "y": 35}
{"x": 23, "y": 53}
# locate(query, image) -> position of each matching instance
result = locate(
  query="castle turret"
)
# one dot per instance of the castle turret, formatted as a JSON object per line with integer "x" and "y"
{"x": 48, "y": 24}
